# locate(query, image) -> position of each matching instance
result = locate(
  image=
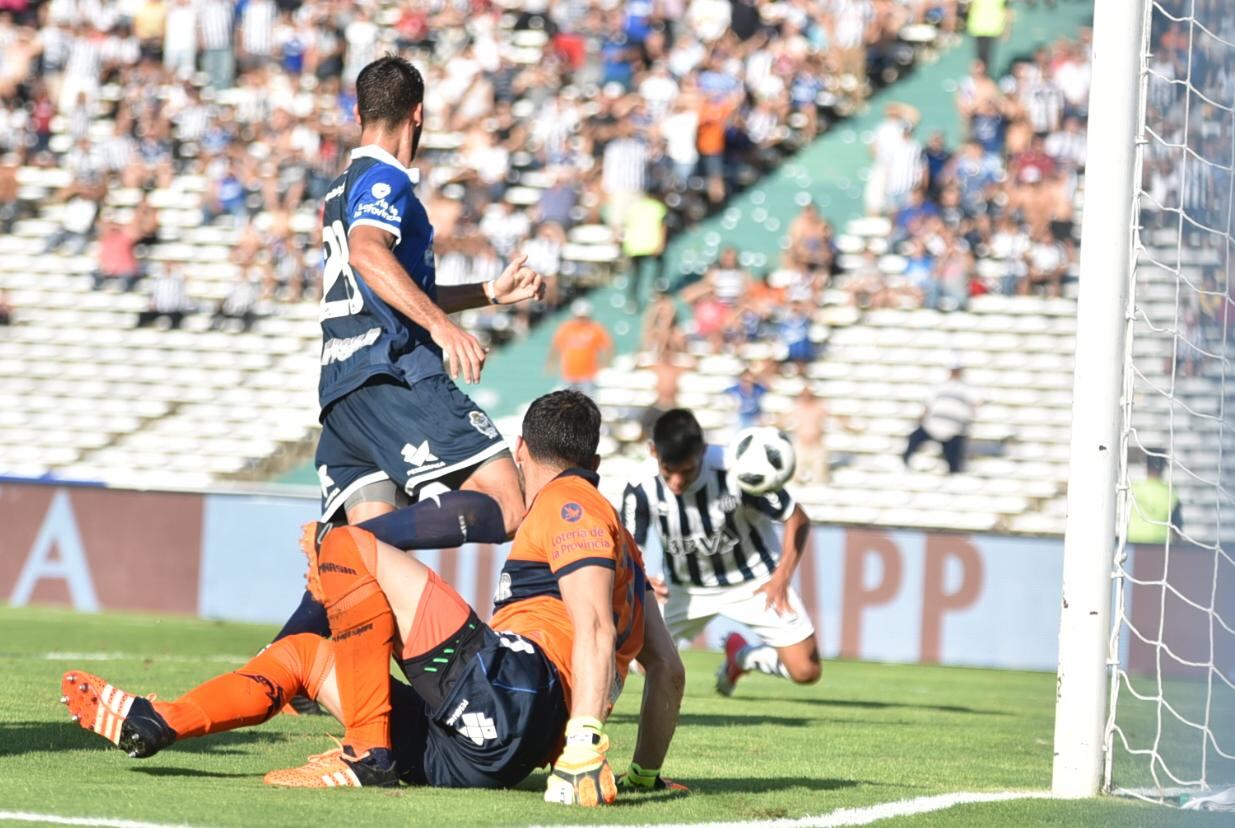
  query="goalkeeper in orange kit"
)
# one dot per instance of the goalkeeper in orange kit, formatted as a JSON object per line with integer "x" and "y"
{"x": 487, "y": 703}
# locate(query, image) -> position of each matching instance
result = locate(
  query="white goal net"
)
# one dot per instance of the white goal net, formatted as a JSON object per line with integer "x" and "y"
{"x": 1171, "y": 731}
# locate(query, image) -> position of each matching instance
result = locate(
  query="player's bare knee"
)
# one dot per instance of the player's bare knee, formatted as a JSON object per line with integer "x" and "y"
{"x": 677, "y": 676}
{"x": 807, "y": 672}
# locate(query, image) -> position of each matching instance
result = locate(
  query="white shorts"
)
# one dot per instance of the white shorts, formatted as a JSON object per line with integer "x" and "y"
{"x": 689, "y": 609}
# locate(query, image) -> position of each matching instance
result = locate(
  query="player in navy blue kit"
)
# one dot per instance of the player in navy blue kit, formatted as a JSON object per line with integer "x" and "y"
{"x": 393, "y": 419}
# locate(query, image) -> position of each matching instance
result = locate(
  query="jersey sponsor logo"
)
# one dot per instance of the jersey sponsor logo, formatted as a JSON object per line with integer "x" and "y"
{"x": 380, "y": 190}
{"x": 338, "y": 350}
{"x": 325, "y": 480}
{"x": 481, "y": 422}
{"x": 477, "y": 727}
{"x": 456, "y": 713}
{"x": 379, "y": 209}
{"x": 572, "y": 512}
{"x": 335, "y": 193}
{"x": 717, "y": 544}
{"x": 334, "y": 567}
{"x": 361, "y": 630}
{"x": 579, "y": 542}
{"x": 418, "y": 455}
{"x": 514, "y": 642}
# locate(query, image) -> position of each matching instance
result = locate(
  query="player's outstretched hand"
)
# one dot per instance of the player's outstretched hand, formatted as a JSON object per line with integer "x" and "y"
{"x": 518, "y": 283}
{"x": 461, "y": 351}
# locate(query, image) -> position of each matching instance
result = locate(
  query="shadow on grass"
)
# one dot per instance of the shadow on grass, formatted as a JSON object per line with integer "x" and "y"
{"x": 721, "y": 785}
{"x": 766, "y": 784}
{"x": 725, "y": 720}
{"x": 876, "y": 705}
{"x": 17, "y": 738}
{"x": 164, "y": 771}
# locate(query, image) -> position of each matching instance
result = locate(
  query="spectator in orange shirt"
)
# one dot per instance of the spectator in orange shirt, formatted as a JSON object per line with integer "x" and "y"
{"x": 714, "y": 113}
{"x": 580, "y": 348}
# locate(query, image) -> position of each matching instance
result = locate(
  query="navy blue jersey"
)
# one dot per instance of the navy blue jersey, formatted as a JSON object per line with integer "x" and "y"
{"x": 362, "y": 336}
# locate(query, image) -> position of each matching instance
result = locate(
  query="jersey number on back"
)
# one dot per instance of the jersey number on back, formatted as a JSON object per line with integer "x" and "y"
{"x": 334, "y": 239}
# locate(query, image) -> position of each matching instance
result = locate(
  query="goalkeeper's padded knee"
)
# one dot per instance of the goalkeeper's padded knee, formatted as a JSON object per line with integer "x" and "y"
{"x": 581, "y": 775}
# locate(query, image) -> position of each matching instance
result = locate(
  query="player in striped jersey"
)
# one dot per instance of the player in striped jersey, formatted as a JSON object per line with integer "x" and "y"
{"x": 722, "y": 556}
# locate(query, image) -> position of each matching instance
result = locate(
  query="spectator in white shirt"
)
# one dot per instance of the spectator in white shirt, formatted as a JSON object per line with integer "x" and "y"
{"x": 214, "y": 21}
{"x": 946, "y": 421}
{"x": 623, "y": 172}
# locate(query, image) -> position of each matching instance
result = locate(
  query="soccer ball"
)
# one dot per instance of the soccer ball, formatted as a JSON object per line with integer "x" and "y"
{"x": 760, "y": 459}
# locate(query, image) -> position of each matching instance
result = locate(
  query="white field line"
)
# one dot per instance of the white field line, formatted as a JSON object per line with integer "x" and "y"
{"x": 865, "y": 816}
{"x": 836, "y": 819}
{"x": 100, "y": 822}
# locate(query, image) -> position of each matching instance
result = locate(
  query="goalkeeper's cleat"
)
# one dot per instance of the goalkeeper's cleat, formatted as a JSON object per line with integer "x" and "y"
{"x": 127, "y": 721}
{"x": 731, "y": 669}
{"x": 338, "y": 768}
{"x": 311, "y": 536}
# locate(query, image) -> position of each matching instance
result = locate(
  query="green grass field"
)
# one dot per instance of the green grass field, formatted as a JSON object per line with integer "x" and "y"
{"x": 867, "y": 734}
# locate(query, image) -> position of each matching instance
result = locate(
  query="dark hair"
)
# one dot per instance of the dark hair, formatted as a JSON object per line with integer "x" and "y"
{"x": 677, "y": 436}
{"x": 1155, "y": 463}
{"x": 562, "y": 428}
{"x": 387, "y": 90}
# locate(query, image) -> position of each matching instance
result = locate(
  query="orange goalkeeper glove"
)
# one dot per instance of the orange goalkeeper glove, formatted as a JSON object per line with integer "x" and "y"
{"x": 581, "y": 775}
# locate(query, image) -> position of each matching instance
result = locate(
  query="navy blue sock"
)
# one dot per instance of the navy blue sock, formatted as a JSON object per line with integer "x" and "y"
{"x": 441, "y": 522}
{"x": 309, "y": 617}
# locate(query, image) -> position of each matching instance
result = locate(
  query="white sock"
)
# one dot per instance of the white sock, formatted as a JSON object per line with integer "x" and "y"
{"x": 763, "y": 658}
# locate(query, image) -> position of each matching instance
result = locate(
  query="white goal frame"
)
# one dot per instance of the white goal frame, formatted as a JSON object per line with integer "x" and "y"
{"x": 1108, "y": 236}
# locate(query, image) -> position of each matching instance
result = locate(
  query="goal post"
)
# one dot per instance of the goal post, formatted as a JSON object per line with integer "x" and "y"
{"x": 1102, "y": 342}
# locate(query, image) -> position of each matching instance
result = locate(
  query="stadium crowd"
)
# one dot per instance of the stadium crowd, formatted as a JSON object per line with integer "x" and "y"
{"x": 992, "y": 215}
{"x": 1189, "y": 163}
{"x": 541, "y": 117}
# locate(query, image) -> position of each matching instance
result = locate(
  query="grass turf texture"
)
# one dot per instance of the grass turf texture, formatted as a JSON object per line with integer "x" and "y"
{"x": 866, "y": 734}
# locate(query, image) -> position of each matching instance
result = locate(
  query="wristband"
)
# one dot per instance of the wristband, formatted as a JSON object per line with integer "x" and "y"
{"x": 491, "y": 293}
{"x": 642, "y": 777}
{"x": 584, "y": 730}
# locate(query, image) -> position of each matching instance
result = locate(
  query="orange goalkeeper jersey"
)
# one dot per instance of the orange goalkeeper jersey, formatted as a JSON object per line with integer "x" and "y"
{"x": 570, "y": 525}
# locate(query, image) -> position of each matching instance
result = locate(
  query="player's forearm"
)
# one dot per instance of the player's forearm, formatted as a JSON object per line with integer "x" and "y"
{"x": 455, "y": 298}
{"x": 387, "y": 278}
{"x": 658, "y": 717}
{"x": 592, "y": 665}
{"x": 797, "y": 535}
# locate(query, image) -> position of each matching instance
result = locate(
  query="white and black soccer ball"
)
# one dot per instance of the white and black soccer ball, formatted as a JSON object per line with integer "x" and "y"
{"x": 760, "y": 460}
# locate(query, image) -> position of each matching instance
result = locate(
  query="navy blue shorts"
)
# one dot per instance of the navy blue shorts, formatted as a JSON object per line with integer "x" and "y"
{"x": 403, "y": 436}
{"x": 501, "y": 716}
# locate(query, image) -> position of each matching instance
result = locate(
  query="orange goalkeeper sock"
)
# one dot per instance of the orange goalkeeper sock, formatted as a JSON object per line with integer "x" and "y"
{"x": 255, "y": 692}
{"x": 363, "y": 629}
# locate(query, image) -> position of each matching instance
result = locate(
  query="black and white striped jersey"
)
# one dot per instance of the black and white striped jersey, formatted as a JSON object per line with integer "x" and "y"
{"x": 713, "y": 534}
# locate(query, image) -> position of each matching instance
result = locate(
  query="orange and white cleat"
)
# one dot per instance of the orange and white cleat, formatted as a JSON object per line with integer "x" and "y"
{"x": 127, "y": 721}
{"x": 337, "y": 768}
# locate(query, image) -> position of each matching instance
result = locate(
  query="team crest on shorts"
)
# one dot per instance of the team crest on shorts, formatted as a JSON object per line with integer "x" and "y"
{"x": 481, "y": 422}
